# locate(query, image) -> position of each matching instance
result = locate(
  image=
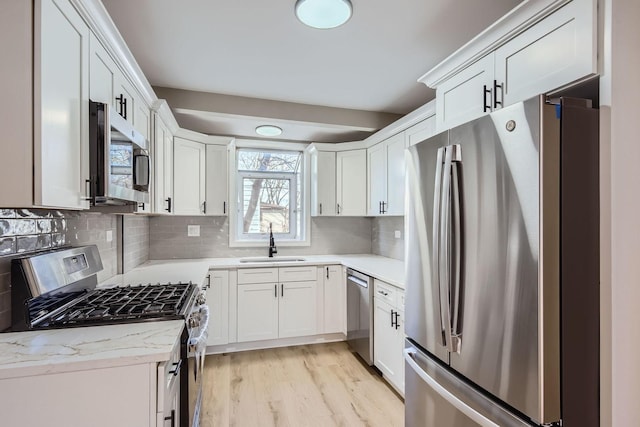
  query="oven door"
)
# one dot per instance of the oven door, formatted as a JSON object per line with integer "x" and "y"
{"x": 197, "y": 348}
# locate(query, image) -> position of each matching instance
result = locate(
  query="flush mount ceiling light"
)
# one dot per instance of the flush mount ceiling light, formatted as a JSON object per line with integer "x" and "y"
{"x": 323, "y": 14}
{"x": 268, "y": 130}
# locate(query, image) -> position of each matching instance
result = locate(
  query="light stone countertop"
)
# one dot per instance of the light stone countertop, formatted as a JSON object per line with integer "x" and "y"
{"x": 386, "y": 269}
{"x": 62, "y": 350}
{"x": 75, "y": 349}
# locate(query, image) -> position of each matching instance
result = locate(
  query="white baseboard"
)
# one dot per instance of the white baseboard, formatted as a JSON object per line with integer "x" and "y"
{"x": 284, "y": 342}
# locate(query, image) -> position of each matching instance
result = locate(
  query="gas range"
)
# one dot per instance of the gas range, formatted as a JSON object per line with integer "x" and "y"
{"x": 57, "y": 289}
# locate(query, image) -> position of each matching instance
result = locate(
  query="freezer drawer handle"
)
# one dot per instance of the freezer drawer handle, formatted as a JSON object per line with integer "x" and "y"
{"x": 410, "y": 357}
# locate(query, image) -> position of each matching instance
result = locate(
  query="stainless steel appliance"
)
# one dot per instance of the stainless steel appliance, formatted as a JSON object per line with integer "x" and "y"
{"x": 360, "y": 314}
{"x": 502, "y": 292}
{"x": 57, "y": 289}
{"x": 118, "y": 158}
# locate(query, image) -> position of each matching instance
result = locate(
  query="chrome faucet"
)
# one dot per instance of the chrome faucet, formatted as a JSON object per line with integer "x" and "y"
{"x": 272, "y": 243}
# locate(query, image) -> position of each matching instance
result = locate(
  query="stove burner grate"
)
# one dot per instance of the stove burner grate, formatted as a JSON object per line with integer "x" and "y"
{"x": 130, "y": 303}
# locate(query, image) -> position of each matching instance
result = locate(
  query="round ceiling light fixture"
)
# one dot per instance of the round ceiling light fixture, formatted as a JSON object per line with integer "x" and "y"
{"x": 323, "y": 14}
{"x": 268, "y": 130}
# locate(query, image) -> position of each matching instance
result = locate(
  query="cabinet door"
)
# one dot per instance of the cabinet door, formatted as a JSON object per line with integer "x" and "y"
{"x": 61, "y": 114}
{"x": 462, "y": 97}
{"x": 385, "y": 337}
{"x": 352, "y": 182}
{"x": 102, "y": 73}
{"x": 217, "y": 180}
{"x": 420, "y": 131}
{"x": 125, "y": 98}
{"x": 377, "y": 178}
{"x": 142, "y": 117}
{"x": 158, "y": 165}
{"x": 218, "y": 302}
{"x": 258, "y": 312}
{"x": 334, "y": 300}
{"x": 297, "y": 309}
{"x": 323, "y": 178}
{"x": 394, "y": 150}
{"x": 398, "y": 379}
{"x": 560, "y": 49}
{"x": 189, "y": 176}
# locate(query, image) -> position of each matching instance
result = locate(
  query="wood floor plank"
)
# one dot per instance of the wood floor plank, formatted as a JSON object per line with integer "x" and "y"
{"x": 313, "y": 385}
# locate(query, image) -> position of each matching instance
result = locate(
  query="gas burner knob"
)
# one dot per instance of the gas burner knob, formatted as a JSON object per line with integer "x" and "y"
{"x": 192, "y": 322}
{"x": 201, "y": 299}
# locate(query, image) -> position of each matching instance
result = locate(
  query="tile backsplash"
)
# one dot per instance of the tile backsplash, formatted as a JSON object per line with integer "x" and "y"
{"x": 168, "y": 238}
{"x": 384, "y": 242}
{"x": 29, "y": 230}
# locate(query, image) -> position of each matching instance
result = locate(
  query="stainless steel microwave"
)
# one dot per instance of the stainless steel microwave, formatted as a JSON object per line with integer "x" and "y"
{"x": 119, "y": 159}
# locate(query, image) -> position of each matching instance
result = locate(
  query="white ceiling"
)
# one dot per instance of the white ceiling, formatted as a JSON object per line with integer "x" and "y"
{"x": 258, "y": 49}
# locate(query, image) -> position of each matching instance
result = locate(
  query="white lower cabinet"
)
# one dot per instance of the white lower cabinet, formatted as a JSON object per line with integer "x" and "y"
{"x": 297, "y": 308}
{"x": 217, "y": 288}
{"x": 130, "y": 404}
{"x": 280, "y": 308}
{"x": 334, "y": 293}
{"x": 257, "y": 311}
{"x": 388, "y": 332}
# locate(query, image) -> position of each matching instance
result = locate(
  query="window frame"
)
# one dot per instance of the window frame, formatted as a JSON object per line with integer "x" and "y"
{"x": 303, "y": 182}
{"x": 293, "y": 211}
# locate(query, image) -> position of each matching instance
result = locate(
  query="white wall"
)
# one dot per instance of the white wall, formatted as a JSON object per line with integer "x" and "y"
{"x": 620, "y": 214}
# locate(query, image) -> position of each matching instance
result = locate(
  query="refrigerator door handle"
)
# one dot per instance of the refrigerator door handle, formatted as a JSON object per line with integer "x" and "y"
{"x": 411, "y": 357}
{"x": 435, "y": 250}
{"x": 457, "y": 248}
{"x": 444, "y": 257}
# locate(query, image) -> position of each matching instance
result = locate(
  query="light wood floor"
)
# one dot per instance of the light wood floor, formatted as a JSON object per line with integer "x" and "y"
{"x": 312, "y": 385}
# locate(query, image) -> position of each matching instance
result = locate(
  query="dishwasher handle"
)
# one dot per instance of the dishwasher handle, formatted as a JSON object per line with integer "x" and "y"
{"x": 357, "y": 281}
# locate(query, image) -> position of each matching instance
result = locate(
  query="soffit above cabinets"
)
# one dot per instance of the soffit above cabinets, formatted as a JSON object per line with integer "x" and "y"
{"x": 257, "y": 49}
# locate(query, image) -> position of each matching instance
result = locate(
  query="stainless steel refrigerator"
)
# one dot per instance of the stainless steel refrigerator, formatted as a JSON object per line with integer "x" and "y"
{"x": 502, "y": 270}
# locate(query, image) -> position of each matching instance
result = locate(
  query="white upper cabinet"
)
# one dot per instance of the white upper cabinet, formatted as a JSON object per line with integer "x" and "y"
{"x": 531, "y": 51}
{"x": 142, "y": 117}
{"x": 323, "y": 182}
{"x": 102, "y": 73}
{"x": 377, "y": 178}
{"x": 162, "y": 160}
{"x": 465, "y": 96}
{"x": 386, "y": 176}
{"x": 420, "y": 131}
{"x": 351, "y": 179}
{"x": 189, "y": 176}
{"x": 61, "y": 100}
{"x": 217, "y": 180}
{"x": 558, "y": 50}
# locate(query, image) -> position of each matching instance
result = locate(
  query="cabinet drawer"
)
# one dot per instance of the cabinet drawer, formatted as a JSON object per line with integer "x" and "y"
{"x": 257, "y": 275}
{"x": 298, "y": 274}
{"x": 385, "y": 292}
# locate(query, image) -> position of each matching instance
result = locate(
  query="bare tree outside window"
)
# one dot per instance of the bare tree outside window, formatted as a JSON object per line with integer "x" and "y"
{"x": 269, "y": 191}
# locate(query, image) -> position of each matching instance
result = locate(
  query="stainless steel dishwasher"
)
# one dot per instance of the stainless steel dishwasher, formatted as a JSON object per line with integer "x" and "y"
{"x": 360, "y": 314}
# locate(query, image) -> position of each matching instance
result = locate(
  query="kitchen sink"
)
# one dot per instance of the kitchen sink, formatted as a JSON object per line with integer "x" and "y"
{"x": 272, "y": 260}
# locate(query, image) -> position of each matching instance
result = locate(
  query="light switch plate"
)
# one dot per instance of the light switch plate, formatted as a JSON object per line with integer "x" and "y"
{"x": 109, "y": 235}
{"x": 193, "y": 230}
{"x": 398, "y": 234}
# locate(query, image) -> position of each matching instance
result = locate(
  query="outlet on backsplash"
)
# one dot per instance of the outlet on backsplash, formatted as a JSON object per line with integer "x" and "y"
{"x": 193, "y": 230}
{"x": 398, "y": 234}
